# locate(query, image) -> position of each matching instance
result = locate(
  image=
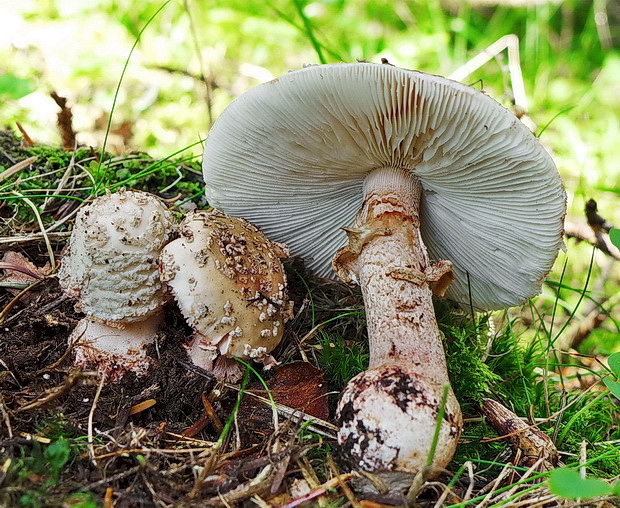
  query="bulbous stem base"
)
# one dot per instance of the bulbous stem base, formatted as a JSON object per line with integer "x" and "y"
{"x": 387, "y": 418}
{"x": 115, "y": 350}
{"x": 387, "y": 258}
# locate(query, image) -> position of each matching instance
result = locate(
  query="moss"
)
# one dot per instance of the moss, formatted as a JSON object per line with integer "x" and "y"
{"x": 74, "y": 176}
{"x": 341, "y": 360}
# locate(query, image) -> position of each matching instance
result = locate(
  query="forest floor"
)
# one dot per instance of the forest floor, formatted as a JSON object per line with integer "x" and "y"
{"x": 177, "y": 436}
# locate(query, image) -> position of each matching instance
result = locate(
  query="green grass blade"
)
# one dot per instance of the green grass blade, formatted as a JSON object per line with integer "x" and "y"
{"x": 120, "y": 81}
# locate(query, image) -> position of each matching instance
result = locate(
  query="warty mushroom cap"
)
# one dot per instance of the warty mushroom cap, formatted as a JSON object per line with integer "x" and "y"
{"x": 291, "y": 156}
{"x": 229, "y": 283}
{"x": 111, "y": 264}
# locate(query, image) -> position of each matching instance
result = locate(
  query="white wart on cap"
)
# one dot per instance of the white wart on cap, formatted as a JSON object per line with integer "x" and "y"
{"x": 492, "y": 201}
{"x": 230, "y": 285}
{"x": 110, "y": 269}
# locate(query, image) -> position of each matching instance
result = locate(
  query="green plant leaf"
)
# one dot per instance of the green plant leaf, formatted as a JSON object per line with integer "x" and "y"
{"x": 58, "y": 453}
{"x": 614, "y": 361}
{"x": 569, "y": 484}
{"x": 614, "y": 236}
{"x": 613, "y": 386}
{"x": 15, "y": 88}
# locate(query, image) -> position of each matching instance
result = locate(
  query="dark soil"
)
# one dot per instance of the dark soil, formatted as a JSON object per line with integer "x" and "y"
{"x": 159, "y": 456}
{"x": 156, "y": 440}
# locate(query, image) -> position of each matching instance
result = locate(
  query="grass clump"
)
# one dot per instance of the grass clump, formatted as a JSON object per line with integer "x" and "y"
{"x": 341, "y": 360}
{"x": 32, "y": 476}
{"x": 466, "y": 342}
{"x": 57, "y": 181}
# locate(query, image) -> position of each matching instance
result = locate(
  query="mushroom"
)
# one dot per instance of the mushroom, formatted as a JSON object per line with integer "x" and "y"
{"x": 407, "y": 181}
{"x": 230, "y": 286}
{"x": 110, "y": 268}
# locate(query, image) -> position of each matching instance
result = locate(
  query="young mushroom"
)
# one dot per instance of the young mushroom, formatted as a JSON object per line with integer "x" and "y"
{"x": 110, "y": 268}
{"x": 229, "y": 283}
{"x": 431, "y": 180}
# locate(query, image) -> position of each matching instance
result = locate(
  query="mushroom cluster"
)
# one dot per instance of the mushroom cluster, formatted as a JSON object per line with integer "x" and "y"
{"x": 110, "y": 268}
{"x": 406, "y": 184}
{"x": 121, "y": 264}
{"x": 229, "y": 283}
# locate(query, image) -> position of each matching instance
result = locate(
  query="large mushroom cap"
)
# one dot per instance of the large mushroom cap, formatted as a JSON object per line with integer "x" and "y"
{"x": 291, "y": 156}
{"x": 111, "y": 265}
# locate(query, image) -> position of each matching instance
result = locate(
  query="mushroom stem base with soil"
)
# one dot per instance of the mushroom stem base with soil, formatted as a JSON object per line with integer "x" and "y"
{"x": 388, "y": 414}
{"x": 115, "y": 349}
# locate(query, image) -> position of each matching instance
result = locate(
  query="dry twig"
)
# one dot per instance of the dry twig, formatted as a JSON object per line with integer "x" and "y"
{"x": 91, "y": 414}
{"x": 599, "y": 239}
{"x": 16, "y": 168}
{"x": 72, "y": 379}
{"x": 5, "y": 415}
{"x": 533, "y": 443}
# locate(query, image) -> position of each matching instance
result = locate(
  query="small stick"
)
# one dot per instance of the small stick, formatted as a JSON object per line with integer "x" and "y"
{"x": 447, "y": 489}
{"x": 532, "y": 442}
{"x": 14, "y": 240}
{"x": 583, "y": 457}
{"x": 144, "y": 451}
{"x": 49, "y": 395}
{"x": 63, "y": 181}
{"x": 318, "y": 492}
{"x": 111, "y": 479}
{"x": 5, "y": 415}
{"x": 142, "y": 406}
{"x": 50, "y": 251}
{"x": 91, "y": 446}
{"x": 491, "y": 487}
{"x": 511, "y": 44}
{"x": 17, "y": 168}
{"x": 107, "y": 500}
{"x": 342, "y": 484}
{"x": 472, "y": 481}
{"x": 65, "y": 122}
{"x": 35, "y": 437}
{"x": 17, "y": 297}
{"x": 534, "y": 467}
{"x": 27, "y": 139}
{"x": 600, "y": 239}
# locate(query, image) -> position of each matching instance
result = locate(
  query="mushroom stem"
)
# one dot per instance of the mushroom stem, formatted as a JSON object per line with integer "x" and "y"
{"x": 387, "y": 258}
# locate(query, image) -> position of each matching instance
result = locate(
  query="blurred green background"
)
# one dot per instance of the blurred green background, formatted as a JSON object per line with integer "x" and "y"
{"x": 197, "y": 55}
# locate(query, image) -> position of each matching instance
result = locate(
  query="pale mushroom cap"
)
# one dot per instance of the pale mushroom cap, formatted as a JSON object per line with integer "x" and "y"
{"x": 387, "y": 418}
{"x": 111, "y": 265}
{"x": 291, "y": 156}
{"x": 229, "y": 284}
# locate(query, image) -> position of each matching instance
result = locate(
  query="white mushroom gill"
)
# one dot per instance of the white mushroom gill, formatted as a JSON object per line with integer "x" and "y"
{"x": 492, "y": 202}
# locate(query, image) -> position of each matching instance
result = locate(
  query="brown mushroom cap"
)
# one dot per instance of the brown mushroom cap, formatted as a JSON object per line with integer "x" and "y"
{"x": 229, "y": 283}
